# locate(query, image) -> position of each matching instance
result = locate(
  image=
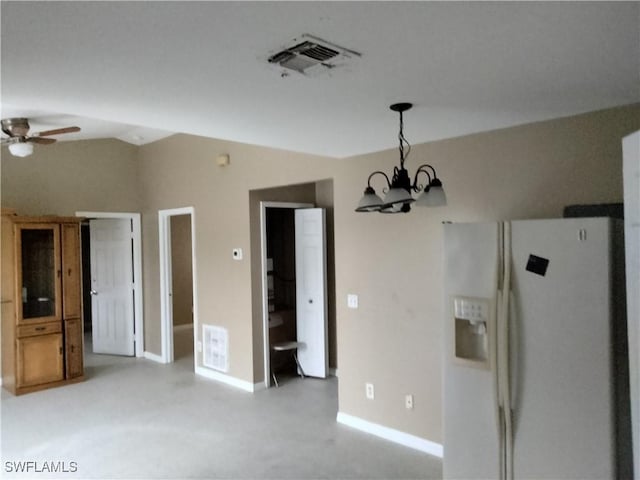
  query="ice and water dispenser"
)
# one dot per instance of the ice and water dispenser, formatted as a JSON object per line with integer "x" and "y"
{"x": 471, "y": 317}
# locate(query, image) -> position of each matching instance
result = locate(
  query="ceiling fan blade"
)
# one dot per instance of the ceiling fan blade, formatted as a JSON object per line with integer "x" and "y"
{"x": 41, "y": 141}
{"x": 58, "y": 131}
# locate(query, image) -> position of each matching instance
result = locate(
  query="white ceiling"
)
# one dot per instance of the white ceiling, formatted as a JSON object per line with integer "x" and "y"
{"x": 141, "y": 70}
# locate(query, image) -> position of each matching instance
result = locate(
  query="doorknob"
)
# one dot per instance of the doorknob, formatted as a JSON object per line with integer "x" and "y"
{"x": 93, "y": 292}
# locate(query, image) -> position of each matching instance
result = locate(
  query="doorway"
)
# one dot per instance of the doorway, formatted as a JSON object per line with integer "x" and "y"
{"x": 179, "y": 320}
{"x": 133, "y": 254}
{"x": 181, "y": 286}
{"x": 291, "y": 268}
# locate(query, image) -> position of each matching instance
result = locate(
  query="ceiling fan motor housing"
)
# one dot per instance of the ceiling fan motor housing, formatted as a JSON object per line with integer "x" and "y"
{"x": 15, "y": 127}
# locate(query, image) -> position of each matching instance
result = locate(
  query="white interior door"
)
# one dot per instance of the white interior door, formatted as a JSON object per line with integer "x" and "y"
{"x": 112, "y": 286}
{"x": 311, "y": 291}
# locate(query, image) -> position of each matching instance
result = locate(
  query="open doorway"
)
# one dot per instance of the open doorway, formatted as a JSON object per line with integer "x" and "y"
{"x": 179, "y": 318}
{"x": 181, "y": 286}
{"x": 281, "y": 288}
{"x": 293, "y": 239}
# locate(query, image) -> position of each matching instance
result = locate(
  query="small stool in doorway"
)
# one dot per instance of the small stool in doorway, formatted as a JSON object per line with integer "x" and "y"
{"x": 287, "y": 347}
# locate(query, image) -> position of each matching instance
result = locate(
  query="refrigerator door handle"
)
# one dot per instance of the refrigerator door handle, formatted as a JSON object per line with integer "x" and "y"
{"x": 504, "y": 355}
{"x": 495, "y": 342}
{"x": 497, "y": 373}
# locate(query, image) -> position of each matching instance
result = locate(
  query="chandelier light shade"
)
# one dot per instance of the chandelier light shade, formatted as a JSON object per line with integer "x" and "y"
{"x": 21, "y": 149}
{"x": 370, "y": 202}
{"x": 400, "y": 189}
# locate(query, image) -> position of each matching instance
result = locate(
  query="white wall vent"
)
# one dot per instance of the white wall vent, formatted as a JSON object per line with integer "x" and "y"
{"x": 308, "y": 54}
{"x": 215, "y": 347}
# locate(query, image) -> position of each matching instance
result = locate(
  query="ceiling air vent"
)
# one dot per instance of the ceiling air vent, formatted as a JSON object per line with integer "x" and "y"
{"x": 312, "y": 54}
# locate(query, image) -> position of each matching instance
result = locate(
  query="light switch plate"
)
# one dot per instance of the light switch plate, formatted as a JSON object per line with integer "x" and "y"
{"x": 369, "y": 391}
{"x": 352, "y": 300}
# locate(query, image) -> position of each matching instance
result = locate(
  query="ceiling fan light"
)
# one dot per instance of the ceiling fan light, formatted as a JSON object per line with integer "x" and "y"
{"x": 370, "y": 202}
{"x": 21, "y": 149}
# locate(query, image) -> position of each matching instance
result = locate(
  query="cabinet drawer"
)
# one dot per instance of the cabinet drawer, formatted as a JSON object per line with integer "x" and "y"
{"x": 39, "y": 329}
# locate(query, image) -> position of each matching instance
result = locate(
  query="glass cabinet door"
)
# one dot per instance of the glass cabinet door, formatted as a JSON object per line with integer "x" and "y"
{"x": 39, "y": 271}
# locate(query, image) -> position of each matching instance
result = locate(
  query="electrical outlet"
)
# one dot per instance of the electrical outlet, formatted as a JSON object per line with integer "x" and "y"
{"x": 369, "y": 391}
{"x": 408, "y": 402}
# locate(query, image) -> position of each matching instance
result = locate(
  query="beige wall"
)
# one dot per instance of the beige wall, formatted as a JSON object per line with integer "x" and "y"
{"x": 181, "y": 269}
{"x": 393, "y": 262}
{"x": 60, "y": 179}
{"x": 181, "y": 171}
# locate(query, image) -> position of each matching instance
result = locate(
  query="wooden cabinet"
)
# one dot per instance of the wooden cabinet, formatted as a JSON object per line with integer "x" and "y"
{"x": 39, "y": 360}
{"x": 41, "y": 302}
{"x": 73, "y": 348}
{"x": 71, "y": 269}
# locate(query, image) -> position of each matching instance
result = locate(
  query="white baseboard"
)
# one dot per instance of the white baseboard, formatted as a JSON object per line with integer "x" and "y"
{"x": 154, "y": 357}
{"x": 333, "y": 372}
{"x": 391, "y": 434}
{"x": 229, "y": 380}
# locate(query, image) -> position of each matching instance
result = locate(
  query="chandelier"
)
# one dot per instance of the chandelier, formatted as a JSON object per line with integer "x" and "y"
{"x": 399, "y": 190}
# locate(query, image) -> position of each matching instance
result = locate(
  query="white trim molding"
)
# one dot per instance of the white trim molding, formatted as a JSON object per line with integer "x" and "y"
{"x": 154, "y": 357}
{"x": 391, "y": 434}
{"x": 227, "y": 379}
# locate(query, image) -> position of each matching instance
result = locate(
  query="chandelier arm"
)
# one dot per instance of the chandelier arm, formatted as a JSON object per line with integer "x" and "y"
{"x": 435, "y": 175}
{"x": 381, "y": 173}
{"x": 417, "y": 187}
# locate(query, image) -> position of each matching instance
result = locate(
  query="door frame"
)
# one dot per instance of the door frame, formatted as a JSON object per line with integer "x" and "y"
{"x": 138, "y": 291}
{"x": 265, "y": 292}
{"x": 166, "y": 315}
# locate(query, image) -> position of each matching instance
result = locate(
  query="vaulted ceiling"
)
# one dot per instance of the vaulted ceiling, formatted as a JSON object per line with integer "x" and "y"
{"x": 141, "y": 70}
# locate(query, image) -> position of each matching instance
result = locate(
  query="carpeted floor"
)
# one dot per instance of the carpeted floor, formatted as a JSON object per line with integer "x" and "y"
{"x": 134, "y": 418}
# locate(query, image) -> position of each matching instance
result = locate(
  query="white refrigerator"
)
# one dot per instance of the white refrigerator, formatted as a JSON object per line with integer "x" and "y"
{"x": 535, "y": 372}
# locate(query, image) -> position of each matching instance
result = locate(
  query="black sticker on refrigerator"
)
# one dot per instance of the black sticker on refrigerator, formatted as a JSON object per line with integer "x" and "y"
{"x": 537, "y": 265}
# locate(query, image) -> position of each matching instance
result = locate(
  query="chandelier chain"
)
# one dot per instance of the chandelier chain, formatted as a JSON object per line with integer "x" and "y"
{"x": 405, "y": 146}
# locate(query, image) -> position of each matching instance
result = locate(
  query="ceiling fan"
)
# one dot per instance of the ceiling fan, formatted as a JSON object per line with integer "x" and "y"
{"x": 20, "y": 143}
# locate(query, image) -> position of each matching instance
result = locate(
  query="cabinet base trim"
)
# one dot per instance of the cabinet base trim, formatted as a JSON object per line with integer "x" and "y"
{"x": 44, "y": 386}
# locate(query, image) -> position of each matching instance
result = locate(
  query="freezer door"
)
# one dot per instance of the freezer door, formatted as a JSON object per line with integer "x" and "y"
{"x": 561, "y": 358}
{"x": 469, "y": 420}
